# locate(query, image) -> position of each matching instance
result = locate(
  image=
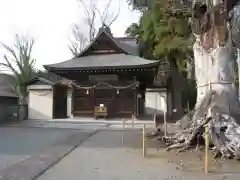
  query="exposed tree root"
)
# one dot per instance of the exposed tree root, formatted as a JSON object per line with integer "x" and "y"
{"x": 224, "y": 131}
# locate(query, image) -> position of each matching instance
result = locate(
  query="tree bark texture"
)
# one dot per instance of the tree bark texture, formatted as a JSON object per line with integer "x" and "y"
{"x": 216, "y": 29}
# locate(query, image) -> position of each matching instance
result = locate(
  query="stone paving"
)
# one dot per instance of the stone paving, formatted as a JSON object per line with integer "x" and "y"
{"x": 27, "y": 152}
{"x": 103, "y": 157}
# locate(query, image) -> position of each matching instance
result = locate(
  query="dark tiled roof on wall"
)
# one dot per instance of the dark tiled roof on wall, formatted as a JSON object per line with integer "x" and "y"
{"x": 6, "y": 85}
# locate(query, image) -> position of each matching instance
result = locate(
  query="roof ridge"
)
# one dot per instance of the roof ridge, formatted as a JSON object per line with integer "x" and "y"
{"x": 100, "y": 32}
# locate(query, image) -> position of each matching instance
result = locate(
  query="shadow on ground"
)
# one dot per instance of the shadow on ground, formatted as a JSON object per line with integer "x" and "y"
{"x": 113, "y": 139}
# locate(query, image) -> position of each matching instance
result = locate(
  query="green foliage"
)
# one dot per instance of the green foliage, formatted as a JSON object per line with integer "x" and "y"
{"x": 163, "y": 33}
{"x": 140, "y": 4}
{"x": 19, "y": 62}
{"x": 132, "y": 30}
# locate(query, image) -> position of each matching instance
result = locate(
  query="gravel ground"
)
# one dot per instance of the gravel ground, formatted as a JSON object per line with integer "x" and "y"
{"x": 17, "y": 144}
{"x": 90, "y": 123}
{"x": 103, "y": 157}
{"x": 27, "y": 152}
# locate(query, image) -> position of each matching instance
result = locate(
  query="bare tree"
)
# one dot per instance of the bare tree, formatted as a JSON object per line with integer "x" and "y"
{"x": 95, "y": 15}
{"x": 108, "y": 18}
{"x": 78, "y": 40}
{"x": 91, "y": 16}
{"x": 19, "y": 62}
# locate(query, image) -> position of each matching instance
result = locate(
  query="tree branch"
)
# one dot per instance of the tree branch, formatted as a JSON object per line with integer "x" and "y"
{"x": 19, "y": 62}
{"x": 116, "y": 16}
{"x": 92, "y": 13}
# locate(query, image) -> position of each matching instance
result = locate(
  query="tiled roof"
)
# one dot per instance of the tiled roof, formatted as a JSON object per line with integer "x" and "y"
{"x": 41, "y": 80}
{"x": 128, "y": 44}
{"x": 6, "y": 86}
{"x": 103, "y": 61}
{"x": 127, "y": 57}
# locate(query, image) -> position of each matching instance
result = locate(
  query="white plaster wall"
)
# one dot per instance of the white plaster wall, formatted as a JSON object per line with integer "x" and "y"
{"x": 40, "y": 104}
{"x": 69, "y": 103}
{"x": 155, "y": 102}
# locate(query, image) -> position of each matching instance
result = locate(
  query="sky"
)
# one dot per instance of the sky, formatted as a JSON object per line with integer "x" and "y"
{"x": 50, "y": 22}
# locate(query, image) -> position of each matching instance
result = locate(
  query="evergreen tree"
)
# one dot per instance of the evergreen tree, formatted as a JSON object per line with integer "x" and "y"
{"x": 165, "y": 34}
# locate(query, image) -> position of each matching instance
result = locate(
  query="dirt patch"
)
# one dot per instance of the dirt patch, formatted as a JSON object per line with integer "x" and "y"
{"x": 192, "y": 160}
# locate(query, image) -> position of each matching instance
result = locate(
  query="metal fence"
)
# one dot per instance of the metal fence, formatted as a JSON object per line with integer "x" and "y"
{"x": 11, "y": 113}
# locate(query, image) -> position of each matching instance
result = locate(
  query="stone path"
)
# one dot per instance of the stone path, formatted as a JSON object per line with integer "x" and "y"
{"x": 103, "y": 157}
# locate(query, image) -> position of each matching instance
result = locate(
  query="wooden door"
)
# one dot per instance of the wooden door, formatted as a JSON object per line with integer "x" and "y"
{"x": 83, "y": 102}
{"x": 60, "y": 102}
{"x": 125, "y": 102}
{"x": 119, "y": 103}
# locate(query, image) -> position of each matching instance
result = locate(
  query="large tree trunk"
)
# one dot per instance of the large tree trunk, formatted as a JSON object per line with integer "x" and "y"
{"x": 217, "y": 104}
{"x": 176, "y": 83}
{"x": 238, "y": 65}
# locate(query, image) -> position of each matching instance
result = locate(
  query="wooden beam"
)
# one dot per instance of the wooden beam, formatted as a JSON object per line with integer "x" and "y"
{"x": 102, "y": 51}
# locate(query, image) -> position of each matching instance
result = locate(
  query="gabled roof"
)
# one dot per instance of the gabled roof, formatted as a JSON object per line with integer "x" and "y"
{"x": 121, "y": 46}
{"x": 115, "y": 61}
{"x": 6, "y": 85}
{"x": 127, "y": 56}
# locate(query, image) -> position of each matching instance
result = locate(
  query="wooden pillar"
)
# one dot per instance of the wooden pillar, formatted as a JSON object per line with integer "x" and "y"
{"x": 54, "y": 102}
{"x": 206, "y": 163}
{"x": 140, "y": 96}
{"x": 169, "y": 102}
{"x": 93, "y": 98}
{"x": 73, "y": 99}
{"x": 135, "y": 100}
